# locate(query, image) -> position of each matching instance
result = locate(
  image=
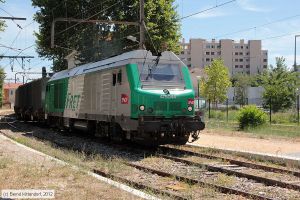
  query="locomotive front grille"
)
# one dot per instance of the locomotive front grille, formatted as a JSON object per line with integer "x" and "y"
{"x": 160, "y": 106}
{"x": 175, "y": 106}
{"x": 167, "y": 106}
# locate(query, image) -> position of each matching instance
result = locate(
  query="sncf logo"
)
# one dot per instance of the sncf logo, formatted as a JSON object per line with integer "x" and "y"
{"x": 190, "y": 101}
{"x": 124, "y": 99}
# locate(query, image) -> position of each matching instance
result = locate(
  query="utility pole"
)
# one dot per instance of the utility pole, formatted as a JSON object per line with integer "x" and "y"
{"x": 24, "y": 73}
{"x": 13, "y": 18}
{"x": 295, "y": 58}
{"x": 142, "y": 24}
{"x": 15, "y": 57}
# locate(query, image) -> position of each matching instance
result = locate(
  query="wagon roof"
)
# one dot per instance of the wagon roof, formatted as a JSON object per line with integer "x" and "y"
{"x": 122, "y": 59}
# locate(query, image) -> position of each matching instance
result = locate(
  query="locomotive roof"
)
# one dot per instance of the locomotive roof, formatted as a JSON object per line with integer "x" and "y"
{"x": 122, "y": 59}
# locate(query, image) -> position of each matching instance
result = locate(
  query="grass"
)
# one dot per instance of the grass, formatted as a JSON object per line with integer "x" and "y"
{"x": 67, "y": 183}
{"x": 224, "y": 180}
{"x": 286, "y": 118}
{"x": 4, "y": 162}
{"x": 266, "y": 130}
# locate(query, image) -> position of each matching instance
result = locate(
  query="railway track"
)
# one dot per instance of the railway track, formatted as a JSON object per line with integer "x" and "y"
{"x": 175, "y": 157}
{"x": 231, "y": 161}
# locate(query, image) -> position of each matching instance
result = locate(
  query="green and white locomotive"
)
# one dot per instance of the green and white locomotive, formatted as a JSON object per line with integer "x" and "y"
{"x": 135, "y": 96}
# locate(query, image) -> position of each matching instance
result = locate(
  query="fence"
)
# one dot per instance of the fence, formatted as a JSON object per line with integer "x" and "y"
{"x": 228, "y": 110}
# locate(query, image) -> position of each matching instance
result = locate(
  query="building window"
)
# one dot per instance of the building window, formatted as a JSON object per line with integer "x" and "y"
{"x": 247, "y": 59}
{"x": 247, "y": 47}
{"x": 207, "y": 53}
{"x": 241, "y": 66}
{"x": 219, "y": 46}
{"x": 212, "y": 53}
{"x": 247, "y": 53}
{"x": 236, "y": 60}
{"x": 236, "y": 66}
{"x": 212, "y": 59}
{"x": 241, "y": 53}
{"x": 207, "y": 60}
{"x": 247, "y": 66}
{"x": 236, "y": 47}
{"x": 236, "y": 53}
{"x": 248, "y": 72}
{"x": 219, "y": 53}
{"x": 182, "y": 52}
{"x": 265, "y": 60}
{"x": 189, "y": 59}
{"x": 241, "y": 60}
{"x": 212, "y": 46}
{"x": 242, "y": 47}
{"x": 265, "y": 66}
{"x": 11, "y": 92}
{"x": 207, "y": 46}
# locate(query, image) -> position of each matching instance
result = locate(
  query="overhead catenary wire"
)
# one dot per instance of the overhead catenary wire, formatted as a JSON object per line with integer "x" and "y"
{"x": 80, "y": 22}
{"x": 280, "y": 36}
{"x": 18, "y": 25}
{"x": 208, "y": 9}
{"x": 88, "y": 17}
{"x": 258, "y": 26}
{"x": 70, "y": 26}
{"x": 18, "y": 34}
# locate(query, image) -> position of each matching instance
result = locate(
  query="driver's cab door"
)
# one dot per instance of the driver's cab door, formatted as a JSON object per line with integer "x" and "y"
{"x": 200, "y": 106}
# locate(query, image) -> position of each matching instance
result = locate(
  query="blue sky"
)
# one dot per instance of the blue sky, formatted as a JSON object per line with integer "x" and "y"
{"x": 218, "y": 23}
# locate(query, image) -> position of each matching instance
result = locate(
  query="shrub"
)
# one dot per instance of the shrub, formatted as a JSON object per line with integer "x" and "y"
{"x": 251, "y": 116}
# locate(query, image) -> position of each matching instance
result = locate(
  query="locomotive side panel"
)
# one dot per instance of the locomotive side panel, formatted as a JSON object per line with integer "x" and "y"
{"x": 104, "y": 96}
{"x": 74, "y": 96}
{"x": 56, "y": 96}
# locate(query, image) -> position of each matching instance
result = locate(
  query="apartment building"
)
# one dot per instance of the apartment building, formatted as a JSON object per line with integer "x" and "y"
{"x": 239, "y": 57}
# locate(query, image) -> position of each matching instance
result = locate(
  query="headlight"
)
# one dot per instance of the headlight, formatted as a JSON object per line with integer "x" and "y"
{"x": 190, "y": 108}
{"x": 142, "y": 108}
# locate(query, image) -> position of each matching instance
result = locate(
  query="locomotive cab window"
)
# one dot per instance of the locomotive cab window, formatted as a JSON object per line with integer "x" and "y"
{"x": 161, "y": 75}
{"x": 119, "y": 77}
{"x": 114, "y": 79}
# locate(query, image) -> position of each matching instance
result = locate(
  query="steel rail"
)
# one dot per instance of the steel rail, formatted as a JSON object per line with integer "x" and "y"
{"x": 266, "y": 181}
{"x": 222, "y": 189}
{"x": 232, "y": 161}
{"x": 138, "y": 185}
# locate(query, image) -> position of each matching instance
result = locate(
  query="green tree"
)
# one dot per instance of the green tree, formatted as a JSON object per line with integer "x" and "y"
{"x": 97, "y": 41}
{"x": 216, "y": 83}
{"x": 280, "y": 86}
{"x": 241, "y": 83}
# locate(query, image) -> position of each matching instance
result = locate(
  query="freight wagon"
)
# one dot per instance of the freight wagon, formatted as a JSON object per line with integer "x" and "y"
{"x": 30, "y": 100}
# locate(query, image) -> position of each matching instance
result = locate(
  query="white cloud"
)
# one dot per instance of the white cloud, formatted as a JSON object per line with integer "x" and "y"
{"x": 250, "y": 6}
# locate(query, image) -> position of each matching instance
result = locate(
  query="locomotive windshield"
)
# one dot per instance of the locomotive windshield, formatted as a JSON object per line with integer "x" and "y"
{"x": 152, "y": 74}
